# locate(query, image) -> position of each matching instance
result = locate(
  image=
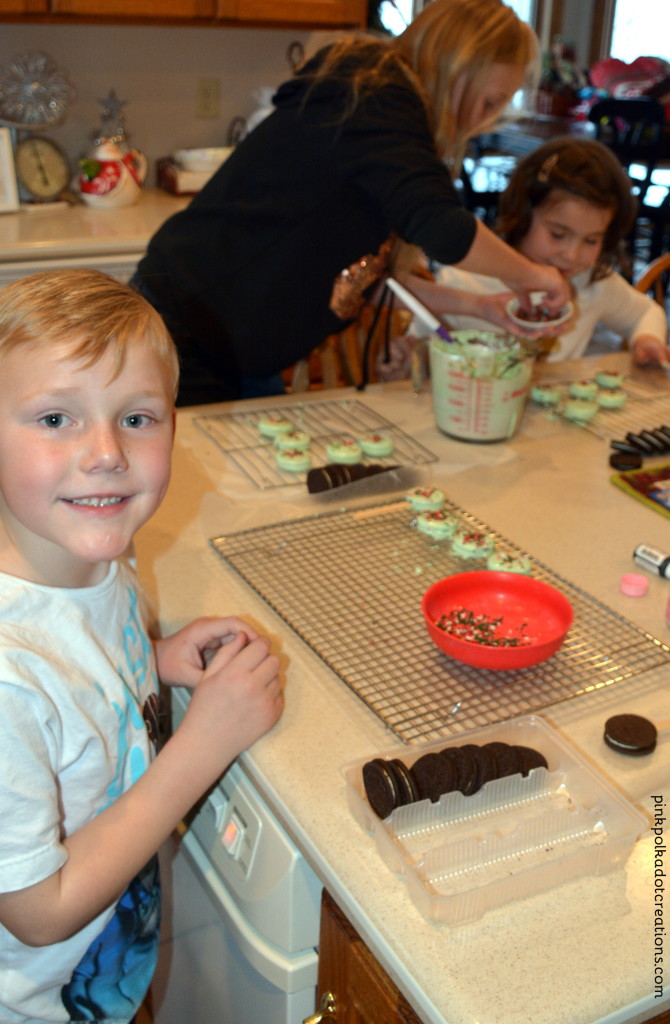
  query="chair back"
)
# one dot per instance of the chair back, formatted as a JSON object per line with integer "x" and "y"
{"x": 654, "y": 278}
{"x": 633, "y": 130}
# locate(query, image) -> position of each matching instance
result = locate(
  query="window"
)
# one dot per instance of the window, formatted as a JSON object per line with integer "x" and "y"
{"x": 641, "y": 28}
{"x": 395, "y": 15}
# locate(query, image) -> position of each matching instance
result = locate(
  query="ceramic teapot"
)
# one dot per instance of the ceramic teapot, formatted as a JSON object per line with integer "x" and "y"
{"x": 111, "y": 177}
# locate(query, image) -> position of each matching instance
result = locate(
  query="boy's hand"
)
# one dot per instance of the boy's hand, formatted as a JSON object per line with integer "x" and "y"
{"x": 239, "y": 697}
{"x": 182, "y": 658}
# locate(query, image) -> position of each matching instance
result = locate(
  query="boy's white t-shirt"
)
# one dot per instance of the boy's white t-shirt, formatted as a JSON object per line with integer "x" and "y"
{"x": 76, "y": 668}
{"x": 612, "y": 302}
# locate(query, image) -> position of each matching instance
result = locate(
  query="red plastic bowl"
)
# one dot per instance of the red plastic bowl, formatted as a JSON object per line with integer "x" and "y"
{"x": 520, "y": 600}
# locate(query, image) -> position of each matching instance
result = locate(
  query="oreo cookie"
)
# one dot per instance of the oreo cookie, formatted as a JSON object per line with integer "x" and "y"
{"x": 434, "y": 775}
{"x": 507, "y": 758}
{"x": 630, "y": 734}
{"x": 381, "y": 787}
{"x": 337, "y": 474}
{"x": 487, "y": 770}
{"x": 466, "y": 768}
{"x": 530, "y": 759}
{"x": 407, "y": 788}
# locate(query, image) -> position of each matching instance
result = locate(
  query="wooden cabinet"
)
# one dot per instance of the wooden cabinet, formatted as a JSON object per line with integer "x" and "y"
{"x": 319, "y": 12}
{"x": 165, "y": 9}
{"x": 334, "y": 13}
{"x": 361, "y": 989}
{"x": 24, "y": 6}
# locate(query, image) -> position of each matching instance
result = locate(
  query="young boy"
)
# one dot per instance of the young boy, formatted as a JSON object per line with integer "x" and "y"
{"x": 89, "y": 375}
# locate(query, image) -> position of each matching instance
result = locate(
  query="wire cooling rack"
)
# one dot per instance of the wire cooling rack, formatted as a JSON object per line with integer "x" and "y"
{"x": 350, "y": 583}
{"x": 647, "y": 406}
{"x": 238, "y": 436}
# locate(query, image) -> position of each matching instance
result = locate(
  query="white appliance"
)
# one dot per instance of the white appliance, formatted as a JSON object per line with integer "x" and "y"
{"x": 241, "y": 915}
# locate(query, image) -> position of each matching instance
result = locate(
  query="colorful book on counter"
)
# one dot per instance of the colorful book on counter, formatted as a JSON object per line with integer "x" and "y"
{"x": 650, "y": 485}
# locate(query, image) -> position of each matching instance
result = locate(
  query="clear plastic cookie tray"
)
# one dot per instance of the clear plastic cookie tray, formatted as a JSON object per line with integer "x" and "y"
{"x": 515, "y": 837}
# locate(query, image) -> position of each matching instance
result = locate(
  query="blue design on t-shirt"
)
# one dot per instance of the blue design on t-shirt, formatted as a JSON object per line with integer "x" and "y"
{"x": 112, "y": 978}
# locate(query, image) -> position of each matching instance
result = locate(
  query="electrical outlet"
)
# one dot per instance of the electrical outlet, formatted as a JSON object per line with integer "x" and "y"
{"x": 208, "y": 98}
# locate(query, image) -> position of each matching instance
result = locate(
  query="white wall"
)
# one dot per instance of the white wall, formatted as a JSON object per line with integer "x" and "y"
{"x": 156, "y": 71}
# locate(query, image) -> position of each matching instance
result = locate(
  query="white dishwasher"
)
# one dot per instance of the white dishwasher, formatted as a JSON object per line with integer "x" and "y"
{"x": 241, "y": 915}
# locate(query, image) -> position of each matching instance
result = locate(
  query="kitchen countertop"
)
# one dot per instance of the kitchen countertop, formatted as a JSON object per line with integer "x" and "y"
{"x": 60, "y": 231}
{"x": 580, "y": 953}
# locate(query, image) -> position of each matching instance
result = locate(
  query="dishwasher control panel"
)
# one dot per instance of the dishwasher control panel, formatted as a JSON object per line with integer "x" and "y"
{"x": 245, "y": 845}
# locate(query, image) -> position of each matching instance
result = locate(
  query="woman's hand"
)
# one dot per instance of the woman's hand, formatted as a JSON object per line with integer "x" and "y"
{"x": 556, "y": 291}
{"x": 494, "y": 309}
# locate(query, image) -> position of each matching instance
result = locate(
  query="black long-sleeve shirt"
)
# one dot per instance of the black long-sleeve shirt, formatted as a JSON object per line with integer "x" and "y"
{"x": 244, "y": 275}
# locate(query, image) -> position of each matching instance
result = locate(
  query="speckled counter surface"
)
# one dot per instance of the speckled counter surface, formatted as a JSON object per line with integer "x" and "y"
{"x": 59, "y": 231}
{"x": 580, "y": 953}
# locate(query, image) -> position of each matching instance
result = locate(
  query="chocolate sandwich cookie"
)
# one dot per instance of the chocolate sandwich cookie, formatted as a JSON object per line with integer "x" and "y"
{"x": 407, "y": 787}
{"x": 506, "y": 757}
{"x": 625, "y": 460}
{"x": 625, "y": 446}
{"x": 336, "y": 474}
{"x": 654, "y": 440}
{"x": 466, "y": 767}
{"x": 381, "y": 787}
{"x": 664, "y": 439}
{"x": 639, "y": 442}
{"x": 485, "y": 764}
{"x": 434, "y": 775}
{"x": 630, "y": 734}
{"x": 530, "y": 759}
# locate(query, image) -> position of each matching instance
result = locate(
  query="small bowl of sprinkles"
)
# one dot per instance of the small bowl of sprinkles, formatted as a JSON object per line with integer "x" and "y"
{"x": 496, "y": 620}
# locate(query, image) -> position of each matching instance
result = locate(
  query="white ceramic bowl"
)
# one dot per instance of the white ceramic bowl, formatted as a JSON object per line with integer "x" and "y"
{"x": 202, "y": 160}
{"x": 542, "y": 323}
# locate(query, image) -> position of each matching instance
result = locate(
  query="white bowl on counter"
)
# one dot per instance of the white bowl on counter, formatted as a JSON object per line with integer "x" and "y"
{"x": 202, "y": 160}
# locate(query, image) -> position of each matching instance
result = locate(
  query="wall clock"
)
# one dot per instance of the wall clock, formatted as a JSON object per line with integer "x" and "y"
{"x": 42, "y": 168}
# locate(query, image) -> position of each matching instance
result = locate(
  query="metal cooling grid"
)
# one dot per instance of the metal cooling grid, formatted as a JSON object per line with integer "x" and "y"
{"x": 237, "y": 435}
{"x": 647, "y": 407}
{"x": 350, "y": 584}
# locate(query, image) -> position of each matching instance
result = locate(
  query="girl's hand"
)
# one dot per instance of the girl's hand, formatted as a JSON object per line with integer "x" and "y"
{"x": 650, "y": 351}
{"x": 182, "y": 658}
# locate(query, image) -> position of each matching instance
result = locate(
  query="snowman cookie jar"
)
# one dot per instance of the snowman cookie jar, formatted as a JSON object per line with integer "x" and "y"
{"x": 110, "y": 177}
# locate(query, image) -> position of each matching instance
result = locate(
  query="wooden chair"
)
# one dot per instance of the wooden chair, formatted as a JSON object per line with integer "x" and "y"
{"x": 338, "y": 361}
{"x": 654, "y": 278}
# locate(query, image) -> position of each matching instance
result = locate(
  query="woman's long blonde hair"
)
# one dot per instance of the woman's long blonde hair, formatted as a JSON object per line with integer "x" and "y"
{"x": 448, "y": 41}
{"x": 451, "y": 39}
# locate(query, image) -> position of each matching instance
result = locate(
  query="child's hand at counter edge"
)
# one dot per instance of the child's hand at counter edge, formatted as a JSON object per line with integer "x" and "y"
{"x": 182, "y": 658}
{"x": 648, "y": 350}
{"x": 238, "y": 699}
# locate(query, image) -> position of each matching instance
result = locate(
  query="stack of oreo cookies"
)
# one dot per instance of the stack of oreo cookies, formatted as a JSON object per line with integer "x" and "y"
{"x": 336, "y": 474}
{"x": 390, "y": 784}
{"x": 630, "y": 452}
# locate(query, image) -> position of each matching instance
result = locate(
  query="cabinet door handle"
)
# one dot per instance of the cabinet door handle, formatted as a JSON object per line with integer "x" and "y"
{"x": 327, "y": 1011}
